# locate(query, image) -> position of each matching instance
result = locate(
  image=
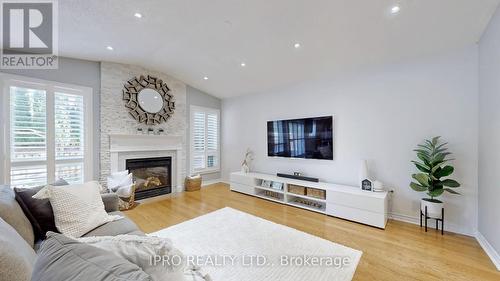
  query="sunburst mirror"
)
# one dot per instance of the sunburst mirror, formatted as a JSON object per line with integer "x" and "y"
{"x": 148, "y": 100}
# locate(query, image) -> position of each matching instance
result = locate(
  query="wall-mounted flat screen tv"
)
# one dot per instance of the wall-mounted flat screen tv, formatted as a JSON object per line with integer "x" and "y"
{"x": 309, "y": 138}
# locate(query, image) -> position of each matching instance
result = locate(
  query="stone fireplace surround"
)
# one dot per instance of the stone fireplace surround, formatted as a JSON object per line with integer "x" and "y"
{"x": 123, "y": 147}
{"x": 116, "y": 124}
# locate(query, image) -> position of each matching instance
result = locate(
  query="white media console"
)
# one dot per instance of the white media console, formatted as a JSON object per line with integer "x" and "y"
{"x": 336, "y": 200}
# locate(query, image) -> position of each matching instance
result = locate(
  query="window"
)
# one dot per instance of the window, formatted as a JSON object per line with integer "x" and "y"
{"x": 205, "y": 152}
{"x": 48, "y": 132}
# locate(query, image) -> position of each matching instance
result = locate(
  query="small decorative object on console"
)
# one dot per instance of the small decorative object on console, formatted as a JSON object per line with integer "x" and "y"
{"x": 367, "y": 184}
{"x": 378, "y": 186}
{"x": 309, "y": 203}
{"x": 266, "y": 183}
{"x": 245, "y": 165}
{"x": 277, "y": 185}
{"x": 363, "y": 172}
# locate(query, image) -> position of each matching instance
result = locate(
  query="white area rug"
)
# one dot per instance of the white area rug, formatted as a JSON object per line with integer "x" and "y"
{"x": 232, "y": 245}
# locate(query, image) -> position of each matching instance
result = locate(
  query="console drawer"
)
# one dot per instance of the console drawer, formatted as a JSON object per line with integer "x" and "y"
{"x": 361, "y": 202}
{"x": 242, "y": 188}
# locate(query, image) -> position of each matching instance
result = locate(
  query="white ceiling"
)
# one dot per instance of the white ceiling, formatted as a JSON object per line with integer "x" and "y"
{"x": 190, "y": 39}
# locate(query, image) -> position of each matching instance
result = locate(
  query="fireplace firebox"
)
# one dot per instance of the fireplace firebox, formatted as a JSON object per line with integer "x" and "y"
{"x": 153, "y": 176}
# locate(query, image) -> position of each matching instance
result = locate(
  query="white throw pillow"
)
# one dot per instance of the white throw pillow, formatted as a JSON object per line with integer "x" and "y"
{"x": 77, "y": 208}
{"x": 124, "y": 191}
{"x": 119, "y": 179}
{"x": 141, "y": 251}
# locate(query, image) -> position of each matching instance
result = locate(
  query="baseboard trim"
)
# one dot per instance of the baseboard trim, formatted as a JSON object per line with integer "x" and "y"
{"x": 490, "y": 251}
{"x": 447, "y": 227}
{"x": 209, "y": 182}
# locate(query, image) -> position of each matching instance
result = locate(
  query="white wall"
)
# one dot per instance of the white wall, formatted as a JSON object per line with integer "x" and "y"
{"x": 489, "y": 135}
{"x": 381, "y": 114}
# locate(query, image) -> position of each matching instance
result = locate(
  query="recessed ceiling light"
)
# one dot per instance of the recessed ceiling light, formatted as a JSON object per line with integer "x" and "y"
{"x": 243, "y": 64}
{"x": 395, "y": 9}
{"x": 296, "y": 45}
{"x": 205, "y": 78}
{"x": 138, "y": 15}
{"x": 109, "y": 48}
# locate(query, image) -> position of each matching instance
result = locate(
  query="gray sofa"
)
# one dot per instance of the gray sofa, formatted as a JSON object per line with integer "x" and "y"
{"x": 17, "y": 245}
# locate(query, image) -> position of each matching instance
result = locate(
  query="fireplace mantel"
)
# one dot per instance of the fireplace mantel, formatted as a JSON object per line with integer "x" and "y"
{"x": 123, "y": 146}
{"x": 119, "y": 142}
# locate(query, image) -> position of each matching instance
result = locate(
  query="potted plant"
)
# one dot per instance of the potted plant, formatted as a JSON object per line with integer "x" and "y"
{"x": 433, "y": 167}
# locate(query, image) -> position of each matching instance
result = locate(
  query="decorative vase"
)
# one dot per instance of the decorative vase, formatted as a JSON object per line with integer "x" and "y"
{"x": 363, "y": 171}
{"x": 434, "y": 208}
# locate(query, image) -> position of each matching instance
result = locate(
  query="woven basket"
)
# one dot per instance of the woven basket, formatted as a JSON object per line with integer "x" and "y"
{"x": 127, "y": 203}
{"x": 297, "y": 189}
{"x": 193, "y": 183}
{"x": 316, "y": 193}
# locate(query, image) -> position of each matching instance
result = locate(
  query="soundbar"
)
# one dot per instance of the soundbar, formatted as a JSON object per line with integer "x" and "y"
{"x": 297, "y": 177}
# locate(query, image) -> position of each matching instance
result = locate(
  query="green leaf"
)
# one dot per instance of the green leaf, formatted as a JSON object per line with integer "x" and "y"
{"x": 435, "y": 140}
{"x": 435, "y": 168}
{"x": 422, "y": 167}
{"x": 425, "y": 147}
{"x": 422, "y": 179}
{"x": 439, "y": 158}
{"x": 428, "y": 142}
{"x": 418, "y": 187}
{"x": 436, "y": 192}
{"x": 451, "y": 191}
{"x": 424, "y": 152}
{"x": 444, "y": 172}
{"x": 423, "y": 157}
{"x": 436, "y": 151}
{"x": 450, "y": 183}
{"x": 441, "y": 145}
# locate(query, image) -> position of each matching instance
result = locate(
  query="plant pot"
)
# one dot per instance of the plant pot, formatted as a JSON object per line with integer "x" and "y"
{"x": 434, "y": 207}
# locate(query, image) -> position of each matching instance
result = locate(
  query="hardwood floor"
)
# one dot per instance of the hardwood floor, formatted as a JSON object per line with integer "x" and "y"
{"x": 400, "y": 252}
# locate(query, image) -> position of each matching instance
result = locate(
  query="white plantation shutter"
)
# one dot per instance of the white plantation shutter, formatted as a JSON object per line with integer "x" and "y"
{"x": 28, "y": 124}
{"x": 212, "y": 139}
{"x": 198, "y": 124}
{"x": 46, "y": 132}
{"x": 28, "y": 176}
{"x": 70, "y": 172}
{"x": 69, "y": 136}
{"x": 204, "y": 139}
{"x": 69, "y": 126}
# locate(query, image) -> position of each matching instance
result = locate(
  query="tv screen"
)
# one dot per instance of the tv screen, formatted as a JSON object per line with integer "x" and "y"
{"x": 310, "y": 138}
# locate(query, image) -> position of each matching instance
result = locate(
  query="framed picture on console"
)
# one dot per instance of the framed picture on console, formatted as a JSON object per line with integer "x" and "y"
{"x": 266, "y": 183}
{"x": 277, "y": 185}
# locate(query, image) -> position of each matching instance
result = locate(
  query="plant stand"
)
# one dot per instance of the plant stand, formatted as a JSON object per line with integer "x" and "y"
{"x": 424, "y": 214}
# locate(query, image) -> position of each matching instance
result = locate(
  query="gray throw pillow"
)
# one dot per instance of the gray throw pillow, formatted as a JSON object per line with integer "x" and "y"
{"x": 16, "y": 256}
{"x": 38, "y": 211}
{"x": 63, "y": 259}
